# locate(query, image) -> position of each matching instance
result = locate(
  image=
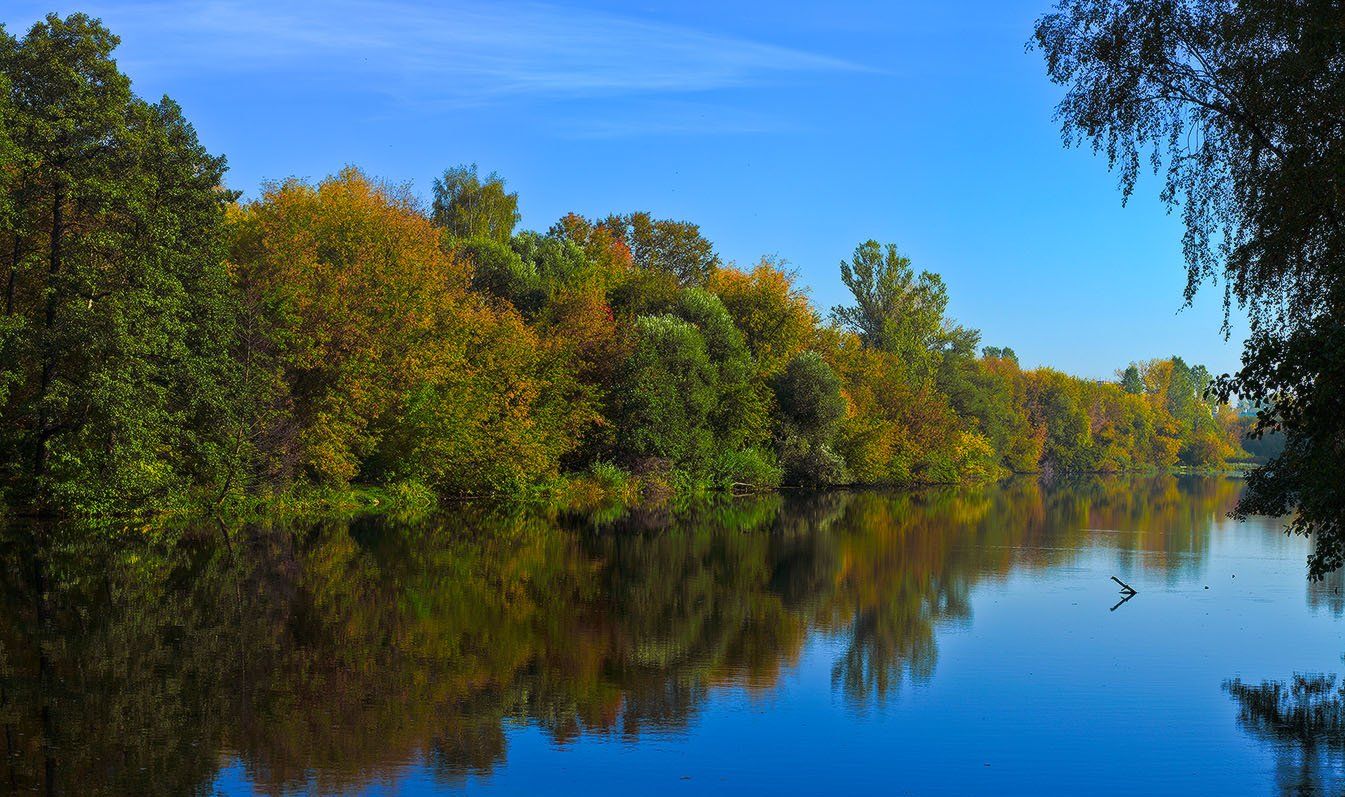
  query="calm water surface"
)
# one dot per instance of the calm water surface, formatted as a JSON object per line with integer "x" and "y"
{"x": 941, "y": 642}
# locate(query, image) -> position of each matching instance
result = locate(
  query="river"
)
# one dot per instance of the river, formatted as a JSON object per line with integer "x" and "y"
{"x": 941, "y": 641}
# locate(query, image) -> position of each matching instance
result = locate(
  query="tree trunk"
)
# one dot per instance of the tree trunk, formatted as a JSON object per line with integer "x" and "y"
{"x": 49, "y": 321}
{"x": 13, "y": 274}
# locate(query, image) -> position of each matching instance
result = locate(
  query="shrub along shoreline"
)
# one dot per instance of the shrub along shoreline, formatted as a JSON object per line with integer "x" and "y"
{"x": 340, "y": 346}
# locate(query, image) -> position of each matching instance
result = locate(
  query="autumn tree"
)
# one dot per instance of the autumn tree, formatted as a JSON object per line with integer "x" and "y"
{"x": 355, "y": 298}
{"x": 383, "y": 362}
{"x": 896, "y": 431}
{"x": 663, "y": 245}
{"x": 498, "y": 420}
{"x": 604, "y": 245}
{"x": 773, "y": 312}
{"x": 1021, "y": 448}
{"x": 1056, "y": 405}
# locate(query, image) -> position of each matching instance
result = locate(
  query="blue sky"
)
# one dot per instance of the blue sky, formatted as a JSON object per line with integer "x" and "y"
{"x": 783, "y": 128}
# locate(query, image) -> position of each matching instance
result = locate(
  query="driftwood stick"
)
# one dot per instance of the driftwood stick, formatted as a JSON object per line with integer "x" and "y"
{"x": 1124, "y": 586}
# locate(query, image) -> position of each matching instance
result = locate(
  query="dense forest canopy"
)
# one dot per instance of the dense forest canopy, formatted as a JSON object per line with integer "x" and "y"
{"x": 165, "y": 343}
{"x": 1237, "y": 104}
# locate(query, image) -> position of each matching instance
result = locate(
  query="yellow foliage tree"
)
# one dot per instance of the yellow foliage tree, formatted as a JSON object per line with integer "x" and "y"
{"x": 775, "y": 316}
{"x": 363, "y": 330}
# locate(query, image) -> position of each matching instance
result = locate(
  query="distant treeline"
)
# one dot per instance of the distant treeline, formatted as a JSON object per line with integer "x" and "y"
{"x": 162, "y": 342}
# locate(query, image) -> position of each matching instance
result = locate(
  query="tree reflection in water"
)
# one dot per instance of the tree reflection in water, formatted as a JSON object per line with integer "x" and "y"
{"x": 327, "y": 656}
{"x": 1304, "y": 723}
{"x": 1302, "y": 720}
{"x": 1328, "y": 593}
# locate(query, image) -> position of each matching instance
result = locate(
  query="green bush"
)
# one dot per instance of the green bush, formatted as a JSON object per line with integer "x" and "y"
{"x": 666, "y": 393}
{"x": 740, "y": 416}
{"x": 499, "y": 271}
{"x": 809, "y": 394}
{"x": 752, "y": 468}
{"x": 808, "y": 463}
{"x": 612, "y": 478}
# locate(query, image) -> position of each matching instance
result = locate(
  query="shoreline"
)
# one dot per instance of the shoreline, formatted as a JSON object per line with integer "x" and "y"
{"x": 585, "y": 495}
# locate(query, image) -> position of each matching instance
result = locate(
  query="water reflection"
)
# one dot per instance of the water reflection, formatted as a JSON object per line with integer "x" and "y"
{"x": 1303, "y": 721}
{"x": 328, "y": 656}
{"x": 1328, "y": 594}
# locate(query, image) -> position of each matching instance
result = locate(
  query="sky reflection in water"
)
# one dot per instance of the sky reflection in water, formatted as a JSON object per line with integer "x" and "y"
{"x": 938, "y": 642}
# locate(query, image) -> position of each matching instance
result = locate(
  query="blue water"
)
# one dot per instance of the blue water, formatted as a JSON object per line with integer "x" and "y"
{"x": 942, "y": 642}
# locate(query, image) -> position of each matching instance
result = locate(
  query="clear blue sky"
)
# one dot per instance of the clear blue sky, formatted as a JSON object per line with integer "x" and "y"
{"x": 786, "y": 128}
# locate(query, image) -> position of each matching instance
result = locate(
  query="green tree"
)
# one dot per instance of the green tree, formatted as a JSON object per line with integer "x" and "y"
{"x": 808, "y": 393}
{"x": 897, "y": 311}
{"x": 739, "y": 418}
{"x": 675, "y": 247}
{"x": 467, "y": 207}
{"x": 10, "y": 168}
{"x": 119, "y": 317}
{"x": 1131, "y": 381}
{"x": 667, "y": 393}
{"x": 529, "y": 270}
{"x": 1183, "y": 401}
{"x": 499, "y": 271}
{"x": 1237, "y": 104}
{"x": 983, "y": 398}
{"x": 558, "y": 262}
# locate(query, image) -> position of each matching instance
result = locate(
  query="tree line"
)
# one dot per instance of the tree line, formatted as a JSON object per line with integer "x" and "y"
{"x": 165, "y": 342}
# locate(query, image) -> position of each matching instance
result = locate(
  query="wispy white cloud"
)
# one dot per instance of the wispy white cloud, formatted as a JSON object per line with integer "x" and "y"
{"x": 450, "y": 52}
